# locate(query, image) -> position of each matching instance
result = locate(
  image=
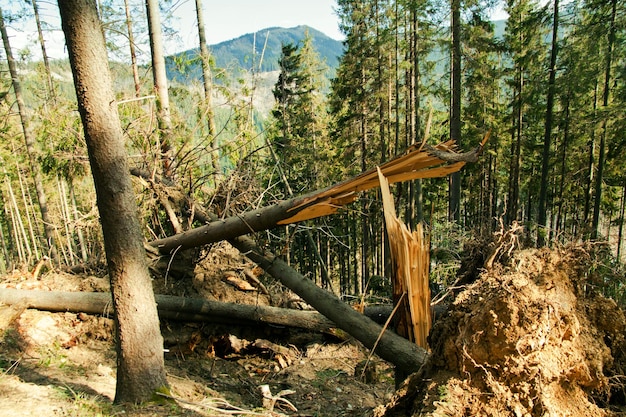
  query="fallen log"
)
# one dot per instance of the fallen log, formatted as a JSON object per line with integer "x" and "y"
{"x": 179, "y": 308}
{"x": 419, "y": 162}
{"x": 406, "y": 356}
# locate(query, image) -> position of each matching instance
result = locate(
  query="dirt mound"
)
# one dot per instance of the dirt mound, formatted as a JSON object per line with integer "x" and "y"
{"x": 529, "y": 339}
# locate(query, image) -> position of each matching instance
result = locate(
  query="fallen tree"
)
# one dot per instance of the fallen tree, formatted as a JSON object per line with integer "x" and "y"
{"x": 391, "y": 347}
{"x": 180, "y": 308}
{"x": 404, "y": 354}
{"x": 395, "y": 349}
{"x": 419, "y": 162}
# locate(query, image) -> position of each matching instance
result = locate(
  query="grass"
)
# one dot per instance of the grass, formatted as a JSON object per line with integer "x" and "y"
{"x": 323, "y": 375}
{"x": 84, "y": 405}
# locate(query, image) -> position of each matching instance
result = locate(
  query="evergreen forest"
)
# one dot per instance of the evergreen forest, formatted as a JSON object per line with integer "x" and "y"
{"x": 550, "y": 87}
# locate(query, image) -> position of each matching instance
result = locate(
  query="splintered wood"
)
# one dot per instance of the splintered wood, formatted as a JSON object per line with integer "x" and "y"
{"x": 410, "y": 259}
{"x": 418, "y": 162}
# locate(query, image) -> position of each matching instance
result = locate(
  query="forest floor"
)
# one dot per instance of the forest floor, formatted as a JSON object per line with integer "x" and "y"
{"x": 63, "y": 364}
{"x": 527, "y": 337}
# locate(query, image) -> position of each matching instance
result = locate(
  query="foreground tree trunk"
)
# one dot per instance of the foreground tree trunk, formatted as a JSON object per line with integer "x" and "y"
{"x": 140, "y": 363}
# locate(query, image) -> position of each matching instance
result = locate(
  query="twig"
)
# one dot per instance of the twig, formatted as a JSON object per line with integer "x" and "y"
{"x": 135, "y": 99}
{"x": 169, "y": 264}
{"x": 393, "y": 312}
{"x": 269, "y": 400}
{"x": 233, "y": 411}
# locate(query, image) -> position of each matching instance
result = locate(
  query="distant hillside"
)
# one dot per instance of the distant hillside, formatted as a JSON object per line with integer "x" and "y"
{"x": 245, "y": 51}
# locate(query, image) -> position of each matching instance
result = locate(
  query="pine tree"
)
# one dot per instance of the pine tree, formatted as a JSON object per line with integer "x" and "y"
{"x": 547, "y": 139}
{"x": 483, "y": 108}
{"x": 298, "y": 140}
{"x": 141, "y": 367}
{"x": 523, "y": 37}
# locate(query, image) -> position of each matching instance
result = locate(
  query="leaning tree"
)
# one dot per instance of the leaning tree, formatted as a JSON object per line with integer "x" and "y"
{"x": 140, "y": 363}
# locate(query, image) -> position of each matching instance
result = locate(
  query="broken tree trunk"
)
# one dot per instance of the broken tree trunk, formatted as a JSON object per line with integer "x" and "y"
{"x": 419, "y": 162}
{"x": 410, "y": 262}
{"x": 177, "y": 308}
{"x": 405, "y": 355}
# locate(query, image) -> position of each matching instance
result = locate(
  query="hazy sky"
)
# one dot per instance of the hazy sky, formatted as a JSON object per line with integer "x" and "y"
{"x": 224, "y": 20}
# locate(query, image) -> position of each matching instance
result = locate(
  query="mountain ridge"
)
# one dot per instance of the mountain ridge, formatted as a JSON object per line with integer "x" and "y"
{"x": 256, "y": 51}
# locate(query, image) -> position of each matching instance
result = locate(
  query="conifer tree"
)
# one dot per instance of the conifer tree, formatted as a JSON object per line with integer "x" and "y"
{"x": 298, "y": 138}
{"x": 482, "y": 109}
{"x": 140, "y": 362}
{"x": 523, "y": 37}
{"x": 547, "y": 139}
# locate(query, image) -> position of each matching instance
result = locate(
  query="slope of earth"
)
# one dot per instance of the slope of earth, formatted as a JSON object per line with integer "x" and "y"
{"x": 63, "y": 364}
{"x": 530, "y": 339}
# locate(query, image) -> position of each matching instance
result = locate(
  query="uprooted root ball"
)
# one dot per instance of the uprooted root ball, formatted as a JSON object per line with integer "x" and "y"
{"x": 528, "y": 339}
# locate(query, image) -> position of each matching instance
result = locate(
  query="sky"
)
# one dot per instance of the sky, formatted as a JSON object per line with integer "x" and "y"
{"x": 224, "y": 20}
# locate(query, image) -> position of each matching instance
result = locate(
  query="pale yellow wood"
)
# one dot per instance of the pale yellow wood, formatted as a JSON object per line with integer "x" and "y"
{"x": 410, "y": 258}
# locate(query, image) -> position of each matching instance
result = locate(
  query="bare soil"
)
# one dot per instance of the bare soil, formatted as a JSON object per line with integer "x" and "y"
{"x": 63, "y": 364}
{"x": 528, "y": 337}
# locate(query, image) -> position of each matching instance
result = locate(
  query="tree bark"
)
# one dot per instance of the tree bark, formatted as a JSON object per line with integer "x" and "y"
{"x": 140, "y": 362}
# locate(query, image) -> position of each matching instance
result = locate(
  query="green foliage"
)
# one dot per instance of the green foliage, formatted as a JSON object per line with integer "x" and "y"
{"x": 447, "y": 239}
{"x": 297, "y": 130}
{"x": 60, "y": 136}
